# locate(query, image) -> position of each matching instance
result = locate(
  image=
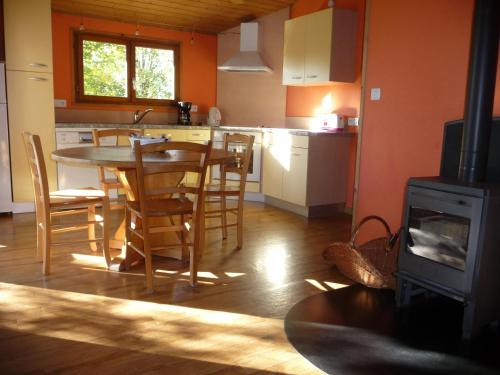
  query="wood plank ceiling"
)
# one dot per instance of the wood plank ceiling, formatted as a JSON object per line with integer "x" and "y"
{"x": 204, "y": 16}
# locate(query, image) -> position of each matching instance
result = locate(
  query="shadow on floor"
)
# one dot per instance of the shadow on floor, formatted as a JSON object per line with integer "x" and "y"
{"x": 357, "y": 330}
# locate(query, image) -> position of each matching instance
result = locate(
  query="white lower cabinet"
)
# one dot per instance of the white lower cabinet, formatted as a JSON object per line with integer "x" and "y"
{"x": 272, "y": 173}
{"x": 305, "y": 171}
{"x": 295, "y": 178}
{"x": 285, "y": 167}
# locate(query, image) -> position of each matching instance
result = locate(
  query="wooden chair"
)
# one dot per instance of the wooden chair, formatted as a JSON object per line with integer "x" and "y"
{"x": 166, "y": 198}
{"x": 50, "y": 205}
{"x": 112, "y": 183}
{"x": 217, "y": 193}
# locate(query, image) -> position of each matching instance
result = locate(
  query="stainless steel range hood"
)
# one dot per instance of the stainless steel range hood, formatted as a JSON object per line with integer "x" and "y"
{"x": 248, "y": 58}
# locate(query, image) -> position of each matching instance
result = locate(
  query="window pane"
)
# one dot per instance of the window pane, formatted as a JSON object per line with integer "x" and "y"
{"x": 104, "y": 69}
{"x": 154, "y": 73}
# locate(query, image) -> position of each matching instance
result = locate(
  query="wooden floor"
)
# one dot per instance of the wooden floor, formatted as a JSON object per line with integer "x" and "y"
{"x": 84, "y": 319}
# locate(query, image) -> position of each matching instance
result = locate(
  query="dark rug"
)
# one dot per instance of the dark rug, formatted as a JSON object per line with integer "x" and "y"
{"x": 358, "y": 330}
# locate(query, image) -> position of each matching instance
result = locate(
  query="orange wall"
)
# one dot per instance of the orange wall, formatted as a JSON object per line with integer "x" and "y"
{"x": 418, "y": 56}
{"x": 198, "y": 61}
{"x": 302, "y": 101}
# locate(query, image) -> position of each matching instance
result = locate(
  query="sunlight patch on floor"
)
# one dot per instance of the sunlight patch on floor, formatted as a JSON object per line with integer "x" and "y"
{"x": 274, "y": 263}
{"x": 325, "y": 285}
{"x": 167, "y": 272}
{"x": 333, "y": 285}
{"x": 162, "y": 329}
{"x": 2, "y": 246}
{"x": 204, "y": 274}
{"x": 88, "y": 260}
{"x": 316, "y": 284}
{"x": 234, "y": 274}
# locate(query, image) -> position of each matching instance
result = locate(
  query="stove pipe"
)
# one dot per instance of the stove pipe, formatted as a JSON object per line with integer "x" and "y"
{"x": 480, "y": 90}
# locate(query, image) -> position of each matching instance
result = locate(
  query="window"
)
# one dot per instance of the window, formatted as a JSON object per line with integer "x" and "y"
{"x": 125, "y": 70}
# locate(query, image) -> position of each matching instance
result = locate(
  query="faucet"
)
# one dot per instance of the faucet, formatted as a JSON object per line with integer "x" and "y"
{"x": 139, "y": 116}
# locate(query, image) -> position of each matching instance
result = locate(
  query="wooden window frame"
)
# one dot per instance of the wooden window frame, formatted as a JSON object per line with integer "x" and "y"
{"x": 130, "y": 43}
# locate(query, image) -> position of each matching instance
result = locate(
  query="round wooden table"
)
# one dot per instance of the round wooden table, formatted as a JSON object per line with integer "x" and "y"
{"x": 122, "y": 157}
{"x": 122, "y": 160}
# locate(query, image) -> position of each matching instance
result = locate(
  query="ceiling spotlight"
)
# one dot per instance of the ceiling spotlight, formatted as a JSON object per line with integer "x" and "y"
{"x": 82, "y": 26}
{"x": 191, "y": 41}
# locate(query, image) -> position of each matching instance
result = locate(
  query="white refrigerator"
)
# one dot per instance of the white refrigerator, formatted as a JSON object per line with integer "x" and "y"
{"x": 5, "y": 176}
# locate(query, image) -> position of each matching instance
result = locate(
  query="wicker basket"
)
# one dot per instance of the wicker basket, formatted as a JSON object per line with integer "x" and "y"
{"x": 373, "y": 263}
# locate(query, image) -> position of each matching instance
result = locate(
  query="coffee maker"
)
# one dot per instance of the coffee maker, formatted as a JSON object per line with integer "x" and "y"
{"x": 183, "y": 109}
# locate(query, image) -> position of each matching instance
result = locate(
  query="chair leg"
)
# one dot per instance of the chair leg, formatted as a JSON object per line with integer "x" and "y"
{"x": 148, "y": 261}
{"x": 223, "y": 217}
{"x": 128, "y": 223}
{"x": 39, "y": 239}
{"x": 149, "y": 269}
{"x": 105, "y": 231}
{"x": 184, "y": 236}
{"x": 46, "y": 250}
{"x": 240, "y": 223}
{"x": 194, "y": 255}
{"x": 91, "y": 228}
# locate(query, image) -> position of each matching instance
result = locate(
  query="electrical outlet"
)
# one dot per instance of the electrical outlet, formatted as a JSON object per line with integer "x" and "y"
{"x": 352, "y": 121}
{"x": 375, "y": 93}
{"x": 194, "y": 108}
{"x": 60, "y": 103}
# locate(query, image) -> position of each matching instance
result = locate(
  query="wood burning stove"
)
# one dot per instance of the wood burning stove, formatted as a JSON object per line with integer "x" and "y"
{"x": 451, "y": 242}
{"x": 451, "y": 246}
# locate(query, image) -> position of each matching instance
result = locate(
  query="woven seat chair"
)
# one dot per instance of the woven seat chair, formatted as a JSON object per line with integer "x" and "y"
{"x": 50, "y": 205}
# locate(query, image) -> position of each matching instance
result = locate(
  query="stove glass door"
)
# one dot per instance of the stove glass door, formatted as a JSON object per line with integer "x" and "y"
{"x": 438, "y": 236}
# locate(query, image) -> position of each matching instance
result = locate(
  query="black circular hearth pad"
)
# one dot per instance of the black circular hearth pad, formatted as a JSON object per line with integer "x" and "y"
{"x": 358, "y": 330}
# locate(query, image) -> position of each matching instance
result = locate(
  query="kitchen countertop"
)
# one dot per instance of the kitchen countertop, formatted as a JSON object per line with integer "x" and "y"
{"x": 90, "y": 125}
{"x": 303, "y": 132}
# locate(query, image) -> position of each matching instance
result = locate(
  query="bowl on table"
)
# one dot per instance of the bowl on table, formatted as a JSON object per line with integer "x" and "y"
{"x": 147, "y": 139}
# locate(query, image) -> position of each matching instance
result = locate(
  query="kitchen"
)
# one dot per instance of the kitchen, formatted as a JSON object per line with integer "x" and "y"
{"x": 264, "y": 92}
{"x": 286, "y": 118}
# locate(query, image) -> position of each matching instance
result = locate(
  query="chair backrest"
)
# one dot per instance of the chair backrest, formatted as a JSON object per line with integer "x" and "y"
{"x": 243, "y": 145}
{"x": 192, "y": 157}
{"x": 97, "y": 134}
{"x": 38, "y": 171}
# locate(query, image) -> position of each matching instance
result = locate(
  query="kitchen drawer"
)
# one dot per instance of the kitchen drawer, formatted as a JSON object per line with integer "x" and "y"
{"x": 198, "y": 135}
{"x": 300, "y": 141}
{"x": 276, "y": 136}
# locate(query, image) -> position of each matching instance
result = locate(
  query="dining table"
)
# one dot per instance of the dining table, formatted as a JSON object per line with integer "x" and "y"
{"x": 121, "y": 160}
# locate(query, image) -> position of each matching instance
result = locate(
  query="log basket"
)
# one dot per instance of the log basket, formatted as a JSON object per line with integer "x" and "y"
{"x": 373, "y": 263}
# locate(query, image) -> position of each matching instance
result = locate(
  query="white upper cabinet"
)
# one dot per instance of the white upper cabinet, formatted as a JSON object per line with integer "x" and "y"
{"x": 28, "y": 35}
{"x": 320, "y": 48}
{"x": 293, "y": 55}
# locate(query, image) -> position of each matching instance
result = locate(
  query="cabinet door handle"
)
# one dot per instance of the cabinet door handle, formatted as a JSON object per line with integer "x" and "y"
{"x": 312, "y": 76}
{"x": 295, "y": 154}
{"x": 196, "y": 134}
{"x": 37, "y": 65}
{"x": 38, "y": 79}
{"x": 297, "y": 77}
